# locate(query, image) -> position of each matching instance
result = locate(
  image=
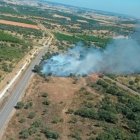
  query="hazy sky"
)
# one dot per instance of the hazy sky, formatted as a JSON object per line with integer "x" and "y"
{"x": 129, "y": 7}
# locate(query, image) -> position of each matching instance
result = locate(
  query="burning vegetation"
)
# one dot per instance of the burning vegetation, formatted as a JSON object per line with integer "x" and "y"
{"x": 119, "y": 57}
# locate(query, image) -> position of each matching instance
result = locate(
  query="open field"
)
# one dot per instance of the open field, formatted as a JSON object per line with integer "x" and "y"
{"x": 73, "y": 109}
{"x": 19, "y": 24}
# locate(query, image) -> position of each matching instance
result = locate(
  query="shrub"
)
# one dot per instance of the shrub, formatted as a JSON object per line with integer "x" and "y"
{"x": 56, "y": 120}
{"x": 73, "y": 120}
{"x": 116, "y": 134}
{"x": 46, "y": 102}
{"x": 37, "y": 123}
{"x": 28, "y": 105}
{"x": 44, "y": 95}
{"x": 24, "y": 134}
{"x": 107, "y": 105}
{"x": 131, "y": 82}
{"x": 105, "y": 136}
{"x": 88, "y": 104}
{"x": 86, "y": 113}
{"x": 19, "y": 105}
{"x": 107, "y": 116}
{"x": 37, "y": 68}
{"x": 112, "y": 90}
{"x": 51, "y": 134}
{"x": 102, "y": 83}
{"x": 76, "y": 136}
{"x": 137, "y": 80}
{"x": 32, "y": 130}
{"x": 134, "y": 126}
{"x": 31, "y": 115}
{"x": 70, "y": 111}
{"x": 22, "y": 120}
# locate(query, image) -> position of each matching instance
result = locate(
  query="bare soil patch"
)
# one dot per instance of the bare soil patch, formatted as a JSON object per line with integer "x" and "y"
{"x": 19, "y": 24}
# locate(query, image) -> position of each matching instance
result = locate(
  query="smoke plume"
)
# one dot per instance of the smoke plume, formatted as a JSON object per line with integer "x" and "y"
{"x": 122, "y": 56}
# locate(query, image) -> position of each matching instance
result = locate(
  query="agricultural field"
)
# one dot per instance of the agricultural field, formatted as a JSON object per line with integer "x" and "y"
{"x": 12, "y": 49}
{"x": 18, "y": 35}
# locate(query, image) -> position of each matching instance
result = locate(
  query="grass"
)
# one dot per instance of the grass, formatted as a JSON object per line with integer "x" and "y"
{"x": 16, "y": 49}
{"x": 9, "y": 38}
{"x": 10, "y": 53}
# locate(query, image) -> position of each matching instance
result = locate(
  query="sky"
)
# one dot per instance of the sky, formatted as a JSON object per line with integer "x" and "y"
{"x": 128, "y": 7}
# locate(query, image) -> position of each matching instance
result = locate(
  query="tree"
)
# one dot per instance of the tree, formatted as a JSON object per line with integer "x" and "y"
{"x": 131, "y": 82}
{"x": 50, "y": 134}
{"x": 46, "y": 102}
{"x": 86, "y": 113}
{"x": 32, "y": 130}
{"x": 105, "y": 136}
{"x": 19, "y": 105}
{"x": 36, "y": 69}
{"x": 28, "y": 105}
{"x": 112, "y": 90}
{"x": 31, "y": 115}
{"x": 37, "y": 123}
{"x": 107, "y": 116}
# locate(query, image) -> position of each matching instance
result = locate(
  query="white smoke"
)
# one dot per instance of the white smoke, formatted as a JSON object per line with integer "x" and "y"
{"x": 120, "y": 57}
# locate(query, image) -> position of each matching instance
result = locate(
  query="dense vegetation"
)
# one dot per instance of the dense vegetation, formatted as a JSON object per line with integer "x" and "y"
{"x": 7, "y": 9}
{"x": 63, "y": 37}
{"x": 86, "y": 39}
{"x": 9, "y": 38}
{"x": 125, "y": 109}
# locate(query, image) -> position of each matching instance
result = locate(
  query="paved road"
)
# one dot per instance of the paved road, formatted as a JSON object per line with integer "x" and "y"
{"x": 19, "y": 90}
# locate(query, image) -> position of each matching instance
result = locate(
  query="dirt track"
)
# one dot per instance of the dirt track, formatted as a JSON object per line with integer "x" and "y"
{"x": 19, "y": 24}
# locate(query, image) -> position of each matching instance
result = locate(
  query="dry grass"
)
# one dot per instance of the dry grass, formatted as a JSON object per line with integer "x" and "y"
{"x": 19, "y": 24}
{"x": 63, "y": 95}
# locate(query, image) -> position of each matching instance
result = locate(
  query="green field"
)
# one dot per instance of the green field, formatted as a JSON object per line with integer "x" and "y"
{"x": 9, "y": 38}
{"x": 86, "y": 39}
{"x": 12, "y": 49}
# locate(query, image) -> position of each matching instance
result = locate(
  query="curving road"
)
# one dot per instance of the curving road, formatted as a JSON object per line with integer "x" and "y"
{"x": 18, "y": 91}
